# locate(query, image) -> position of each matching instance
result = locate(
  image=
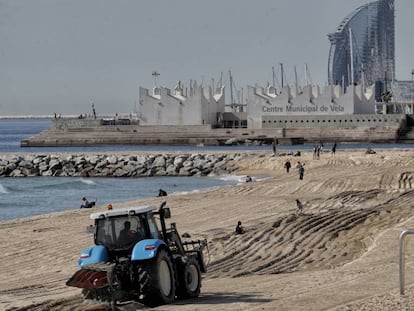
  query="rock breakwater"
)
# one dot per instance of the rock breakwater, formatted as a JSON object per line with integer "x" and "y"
{"x": 28, "y": 165}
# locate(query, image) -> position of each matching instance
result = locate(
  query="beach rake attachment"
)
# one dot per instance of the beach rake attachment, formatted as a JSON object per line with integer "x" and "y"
{"x": 92, "y": 276}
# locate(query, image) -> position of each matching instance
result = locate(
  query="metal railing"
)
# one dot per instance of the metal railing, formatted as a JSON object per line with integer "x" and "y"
{"x": 402, "y": 263}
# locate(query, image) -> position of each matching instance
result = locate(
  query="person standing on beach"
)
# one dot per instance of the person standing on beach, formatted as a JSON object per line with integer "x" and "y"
{"x": 274, "y": 143}
{"x": 334, "y": 148}
{"x": 299, "y": 205}
{"x": 301, "y": 170}
{"x": 287, "y": 166}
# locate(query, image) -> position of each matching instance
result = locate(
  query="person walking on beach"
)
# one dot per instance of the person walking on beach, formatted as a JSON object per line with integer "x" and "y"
{"x": 287, "y": 166}
{"x": 274, "y": 144}
{"x": 299, "y": 206}
{"x": 301, "y": 170}
{"x": 334, "y": 148}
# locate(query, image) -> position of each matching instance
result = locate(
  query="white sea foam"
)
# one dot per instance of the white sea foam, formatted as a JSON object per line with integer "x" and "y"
{"x": 261, "y": 178}
{"x": 185, "y": 192}
{"x": 241, "y": 179}
{"x": 232, "y": 177}
{"x": 87, "y": 181}
{"x": 3, "y": 189}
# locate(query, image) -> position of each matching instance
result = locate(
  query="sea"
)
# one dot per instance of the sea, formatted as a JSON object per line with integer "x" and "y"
{"x": 30, "y": 196}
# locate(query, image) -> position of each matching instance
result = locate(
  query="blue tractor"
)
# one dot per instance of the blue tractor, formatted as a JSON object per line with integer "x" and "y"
{"x": 133, "y": 259}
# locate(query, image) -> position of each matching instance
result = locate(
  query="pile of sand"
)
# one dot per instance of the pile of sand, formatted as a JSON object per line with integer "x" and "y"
{"x": 341, "y": 254}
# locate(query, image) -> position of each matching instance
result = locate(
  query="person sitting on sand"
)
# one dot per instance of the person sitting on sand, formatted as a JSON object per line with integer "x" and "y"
{"x": 239, "y": 228}
{"x": 248, "y": 179}
{"x": 85, "y": 203}
{"x": 162, "y": 193}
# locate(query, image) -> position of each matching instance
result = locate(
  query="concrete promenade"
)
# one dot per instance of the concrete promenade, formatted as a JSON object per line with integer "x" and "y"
{"x": 91, "y": 132}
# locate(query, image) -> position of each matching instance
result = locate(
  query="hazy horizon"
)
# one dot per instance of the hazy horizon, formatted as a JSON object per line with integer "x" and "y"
{"x": 60, "y": 56}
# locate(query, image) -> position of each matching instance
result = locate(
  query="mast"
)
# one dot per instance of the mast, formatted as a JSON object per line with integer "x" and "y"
{"x": 155, "y": 74}
{"x": 306, "y": 75}
{"x": 273, "y": 76}
{"x": 296, "y": 80}
{"x": 281, "y": 72}
{"x": 242, "y": 98}
{"x": 363, "y": 78}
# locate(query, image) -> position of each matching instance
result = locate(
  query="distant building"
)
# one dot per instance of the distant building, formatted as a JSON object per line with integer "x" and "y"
{"x": 194, "y": 106}
{"x": 362, "y": 88}
{"x": 363, "y": 46}
{"x": 267, "y": 108}
{"x": 308, "y": 107}
{"x": 402, "y": 96}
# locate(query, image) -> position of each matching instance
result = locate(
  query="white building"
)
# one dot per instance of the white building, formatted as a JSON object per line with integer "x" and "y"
{"x": 194, "y": 106}
{"x": 269, "y": 108}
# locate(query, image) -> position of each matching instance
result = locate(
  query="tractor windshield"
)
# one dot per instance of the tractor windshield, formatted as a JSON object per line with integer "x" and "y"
{"x": 121, "y": 232}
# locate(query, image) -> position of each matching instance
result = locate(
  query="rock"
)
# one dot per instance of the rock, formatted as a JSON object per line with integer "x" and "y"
{"x": 122, "y": 166}
{"x": 159, "y": 162}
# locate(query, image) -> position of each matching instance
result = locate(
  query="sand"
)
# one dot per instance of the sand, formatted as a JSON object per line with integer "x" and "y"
{"x": 341, "y": 254}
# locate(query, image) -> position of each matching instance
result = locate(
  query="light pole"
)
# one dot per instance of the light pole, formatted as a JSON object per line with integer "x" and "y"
{"x": 155, "y": 74}
{"x": 412, "y": 91}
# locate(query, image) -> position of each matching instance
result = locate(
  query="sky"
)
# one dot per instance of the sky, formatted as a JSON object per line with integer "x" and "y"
{"x": 62, "y": 55}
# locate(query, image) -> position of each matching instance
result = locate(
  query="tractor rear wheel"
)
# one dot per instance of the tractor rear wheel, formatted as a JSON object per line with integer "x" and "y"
{"x": 189, "y": 279}
{"x": 157, "y": 281}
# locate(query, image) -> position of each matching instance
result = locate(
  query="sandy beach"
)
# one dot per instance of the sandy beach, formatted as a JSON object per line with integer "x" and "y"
{"x": 342, "y": 253}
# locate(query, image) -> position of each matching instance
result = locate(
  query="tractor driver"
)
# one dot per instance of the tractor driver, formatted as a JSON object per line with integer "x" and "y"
{"x": 127, "y": 236}
{"x": 124, "y": 237}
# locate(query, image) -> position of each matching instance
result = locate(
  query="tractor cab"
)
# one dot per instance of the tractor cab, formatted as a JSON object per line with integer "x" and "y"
{"x": 120, "y": 229}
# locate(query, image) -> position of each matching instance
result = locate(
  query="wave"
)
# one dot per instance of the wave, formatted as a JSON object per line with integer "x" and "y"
{"x": 87, "y": 181}
{"x": 233, "y": 178}
{"x": 3, "y": 189}
{"x": 67, "y": 183}
{"x": 185, "y": 192}
{"x": 241, "y": 179}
